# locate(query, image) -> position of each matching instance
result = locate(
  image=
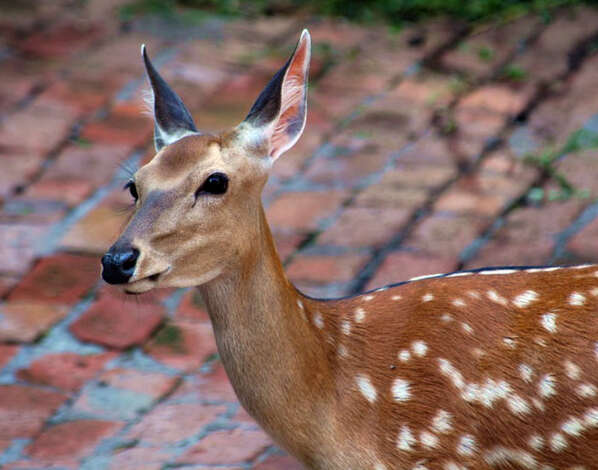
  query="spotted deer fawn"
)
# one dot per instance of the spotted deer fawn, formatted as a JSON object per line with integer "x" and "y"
{"x": 485, "y": 369}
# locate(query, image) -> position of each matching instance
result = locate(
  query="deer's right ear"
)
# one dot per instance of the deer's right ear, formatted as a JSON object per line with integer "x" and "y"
{"x": 278, "y": 116}
{"x": 172, "y": 120}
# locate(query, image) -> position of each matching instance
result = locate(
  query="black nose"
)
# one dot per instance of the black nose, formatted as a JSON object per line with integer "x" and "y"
{"x": 119, "y": 264}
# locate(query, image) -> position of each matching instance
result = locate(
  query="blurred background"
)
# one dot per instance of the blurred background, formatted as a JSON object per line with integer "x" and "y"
{"x": 441, "y": 135}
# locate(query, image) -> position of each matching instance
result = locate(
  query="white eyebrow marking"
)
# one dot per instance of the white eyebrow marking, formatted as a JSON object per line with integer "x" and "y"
{"x": 366, "y": 388}
{"x": 359, "y": 314}
{"x": 576, "y": 299}
{"x": 549, "y": 322}
{"x": 498, "y": 271}
{"x": 401, "y": 390}
{"x": 523, "y": 300}
{"x": 427, "y": 297}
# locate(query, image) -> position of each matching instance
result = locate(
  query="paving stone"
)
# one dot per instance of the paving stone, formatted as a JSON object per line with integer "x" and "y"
{"x": 67, "y": 443}
{"x": 18, "y": 245}
{"x": 228, "y": 447}
{"x": 139, "y": 458}
{"x": 191, "y": 307}
{"x": 110, "y": 323}
{"x": 279, "y": 462}
{"x": 401, "y": 266}
{"x": 7, "y": 352}
{"x": 326, "y": 268}
{"x": 183, "y": 345}
{"x": 171, "y": 423}
{"x": 389, "y": 196}
{"x": 304, "y": 210}
{"x": 66, "y": 371}
{"x": 583, "y": 243}
{"x": 361, "y": 227}
{"x": 55, "y": 280}
{"x": 410, "y": 175}
{"x": 23, "y": 409}
{"x": 60, "y": 40}
{"x": 25, "y": 321}
{"x": 51, "y": 120}
{"x": 154, "y": 384}
{"x": 19, "y": 166}
{"x": 212, "y": 386}
{"x": 287, "y": 242}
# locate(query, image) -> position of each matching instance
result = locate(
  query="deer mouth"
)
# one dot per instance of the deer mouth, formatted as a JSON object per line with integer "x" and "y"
{"x": 145, "y": 284}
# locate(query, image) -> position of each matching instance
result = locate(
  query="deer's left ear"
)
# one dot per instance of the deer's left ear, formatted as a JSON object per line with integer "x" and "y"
{"x": 280, "y": 111}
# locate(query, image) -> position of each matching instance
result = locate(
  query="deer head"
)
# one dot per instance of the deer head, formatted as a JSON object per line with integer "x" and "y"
{"x": 197, "y": 202}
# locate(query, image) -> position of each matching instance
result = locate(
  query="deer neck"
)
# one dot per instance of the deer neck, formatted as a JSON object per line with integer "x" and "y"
{"x": 272, "y": 353}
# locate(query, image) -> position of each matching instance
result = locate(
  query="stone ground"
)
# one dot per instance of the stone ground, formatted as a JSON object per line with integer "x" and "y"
{"x": 433, "y": 149}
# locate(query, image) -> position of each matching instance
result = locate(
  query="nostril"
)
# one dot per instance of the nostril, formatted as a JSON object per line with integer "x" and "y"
{"x": 129, "y": 260}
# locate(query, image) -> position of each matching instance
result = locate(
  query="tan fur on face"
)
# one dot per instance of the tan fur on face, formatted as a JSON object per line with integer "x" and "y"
{"x": 174, "y": 231}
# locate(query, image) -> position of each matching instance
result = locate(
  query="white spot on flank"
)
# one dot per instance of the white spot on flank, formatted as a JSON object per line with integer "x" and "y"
{"x": 548, "y": 321}
{"x": 442, "y": 422}
{"x": 367, "y": 298}
{"x": 452, "y": 466}
{"x": 498, "y": 271}
{"x": 573, "y": 426}
{"x": 594, "y": 291}
{"x": 536, "y": 442}
{"x": 379, "y": 466}
{"x": 447, "y": 369}
{"x": 526, "y": 372}
{"x": 405, "y": 439}
{"x": 495, "y": 297}
{"x": 503, "y": 456}
{"x": 359, "y": 314}
{"x": 458, "y": 303}
{"x": 428, "y": 439}
{"x": 366, "y": 388}
{"x": 400, "y": 390}
{"x": 467, "y": 445}
{"x": 558, "y": 442}
{"x": 318, "y": 320}
{"x": 404, "y": 355}
{"x": 586, "y": 390}
{"x": 342, "y": 350}
{"x": 591, "y": 417}
{"x": 396, "y": 297}
{"x": 523, "y": 300}
{"x": 509, "y": 342}
{"x": 427, "y": 297}
{"x": 517, "y": 405}
{"x": 346, "y": 327}
{"x": 538, "y": 403}
{"x": 467, "y": 328}
{"x": 547, "y": 386}
{"x": 473, "y": 294}
{"x": 576, "y": 299}
{"x": 419, "y": 348}
{"x": 446, "y": 317}
{"x": 572, "y": 370}
{"x": 300, "y": 304}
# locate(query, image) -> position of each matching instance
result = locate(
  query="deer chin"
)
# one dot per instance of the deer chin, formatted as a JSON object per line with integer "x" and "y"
{"x": 145, "y": 284}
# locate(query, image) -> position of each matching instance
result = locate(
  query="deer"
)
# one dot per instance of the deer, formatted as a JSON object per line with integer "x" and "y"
{"x": 493, "y": 368}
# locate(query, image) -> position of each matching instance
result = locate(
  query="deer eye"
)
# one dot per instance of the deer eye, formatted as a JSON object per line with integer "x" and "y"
{"x": 216, "y": 183}
{"x": 132, "y": 189}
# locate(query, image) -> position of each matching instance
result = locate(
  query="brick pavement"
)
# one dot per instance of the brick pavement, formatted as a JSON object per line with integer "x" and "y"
{"x": 416, "y": 159}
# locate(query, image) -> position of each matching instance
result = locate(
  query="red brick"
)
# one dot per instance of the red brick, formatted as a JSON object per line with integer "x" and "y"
{"x": 50, "y": 120}
{"x": 154, "y": 384}
{"x": 388, "y": 196}
{"x": 19, "y": 166}
{"x": 501, "y": 252}
{"x": 60, "y": 278}
{"x": 279, "y": 462}
{"x": 304, "y": 210}
{"x": 26, "y": 321}
{"x": 287, "y": 243}
{"x": 71, "y": 192}
{"x": 444, "y": 235}
{"x": 401, "y": 266}
{"x": 24, "y": 409}
{"x": 139, "y": 458}
{"x": 498, "y": 99}
{"x": 464, "y": 201}
{"x": 583, "y": 243}
{"x": 228, "y": 447}
{"x": 121, "y": 128}
{"x": 326, "y": 268}
{"x": 110, "y": 323}
{"x": 67, "y": 443}
{"x": 67, "y": 371}
{"x": 18, "y": 243}
{"x": 86, "y": 95}
{"x": 183, "y": 345}
{"x": 191, "y": 307}
{"x": 59, "y": 40}
{"x": 169, "y": 423}
{"x": 413, "y": 175}
{"x": 360, "y": 227}
{"x": 214, "y": 385}
{"x": 7, "y": 352}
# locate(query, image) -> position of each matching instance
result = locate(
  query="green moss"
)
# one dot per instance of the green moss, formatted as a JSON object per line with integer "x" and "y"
{"x": 170, "y": 336}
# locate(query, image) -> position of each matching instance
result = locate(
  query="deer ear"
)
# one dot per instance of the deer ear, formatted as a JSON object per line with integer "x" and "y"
{"x": 280, "y": 111}
{"x": 172, "y": 120}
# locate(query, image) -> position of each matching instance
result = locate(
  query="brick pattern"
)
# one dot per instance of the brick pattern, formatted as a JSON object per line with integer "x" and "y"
{"x": 415, "y": 160}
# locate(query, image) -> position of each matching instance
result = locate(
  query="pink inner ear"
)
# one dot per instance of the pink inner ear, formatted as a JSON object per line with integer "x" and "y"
{"x": 291, "y": 119}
